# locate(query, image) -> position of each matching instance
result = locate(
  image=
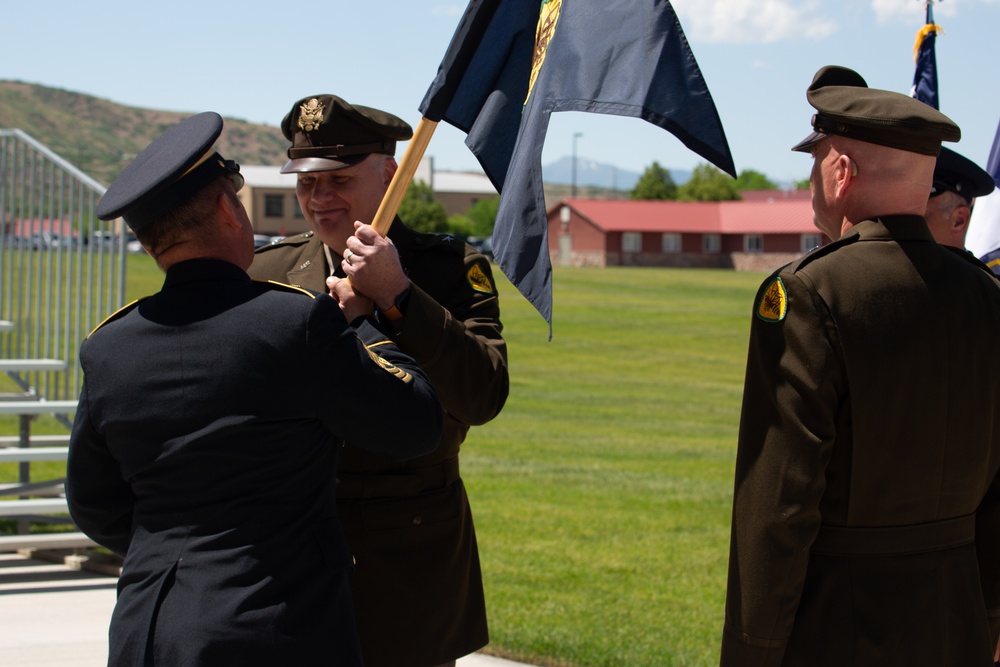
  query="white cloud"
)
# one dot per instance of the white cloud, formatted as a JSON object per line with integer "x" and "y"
{"x": 447, "y": 10}
{"x": 738, "y": 21}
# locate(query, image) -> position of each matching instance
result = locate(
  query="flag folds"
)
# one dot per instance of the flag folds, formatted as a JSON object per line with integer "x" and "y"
{"x": 983, "y": 238}
{"x": 925, "y": 84}
{"x": 512, "y": 63}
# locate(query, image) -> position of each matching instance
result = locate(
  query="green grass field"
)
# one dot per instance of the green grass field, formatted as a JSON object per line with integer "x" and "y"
{"x": 602, "y": 492}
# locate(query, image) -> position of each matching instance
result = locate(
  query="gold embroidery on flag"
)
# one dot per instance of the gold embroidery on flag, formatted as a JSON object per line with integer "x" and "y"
{"x": 547, "y": 18}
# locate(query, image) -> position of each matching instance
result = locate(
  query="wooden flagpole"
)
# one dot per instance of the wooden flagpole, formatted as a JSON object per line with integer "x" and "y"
{"x": 404, "y": 174}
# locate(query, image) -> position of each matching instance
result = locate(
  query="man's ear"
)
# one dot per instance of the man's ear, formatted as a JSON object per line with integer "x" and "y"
{"x": 846, "y": 172}
{"x": 960, "y": 217}
{"x": 389, "y": 170}
{"x": 227, "y": 209}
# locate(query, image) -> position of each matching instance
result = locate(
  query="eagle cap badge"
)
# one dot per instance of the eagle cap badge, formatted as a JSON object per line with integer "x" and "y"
{"x": 311, "y": 115}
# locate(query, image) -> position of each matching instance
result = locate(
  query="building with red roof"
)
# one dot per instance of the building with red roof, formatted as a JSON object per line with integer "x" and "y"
{"x": 756, "y": 234}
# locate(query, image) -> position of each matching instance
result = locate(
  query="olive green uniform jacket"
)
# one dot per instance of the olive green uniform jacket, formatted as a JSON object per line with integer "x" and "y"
{"x": 417, "y": 584}
{"x": 866, "y": 517}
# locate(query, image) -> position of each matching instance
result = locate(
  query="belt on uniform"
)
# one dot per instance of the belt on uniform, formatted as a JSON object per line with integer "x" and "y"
{"x": 407, "y": 482}
{"x": 895, "y": 540}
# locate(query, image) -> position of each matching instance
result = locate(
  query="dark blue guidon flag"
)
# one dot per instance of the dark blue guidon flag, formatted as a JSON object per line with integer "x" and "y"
{"x": 619, "y": 57}
{"x": 925, "y": 83}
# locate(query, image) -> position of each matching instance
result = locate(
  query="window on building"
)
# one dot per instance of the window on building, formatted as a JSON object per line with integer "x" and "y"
{"x": 711, "y": 243}
{"x": 671, "y": 243}
{"x": 810, "y": 241}
{"x": 274, "y": 206}
{"x": 632, "y": 242}
{"x": 298, "y": 209}
{"x": 753, "y": 243}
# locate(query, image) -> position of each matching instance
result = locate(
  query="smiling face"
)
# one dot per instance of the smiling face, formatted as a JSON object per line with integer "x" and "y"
{"x": 332, "y": 201}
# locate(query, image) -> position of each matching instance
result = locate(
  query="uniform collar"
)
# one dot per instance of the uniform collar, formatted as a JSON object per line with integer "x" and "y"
{"x": 202, "y": 269}
{"x": 893, "y": 227}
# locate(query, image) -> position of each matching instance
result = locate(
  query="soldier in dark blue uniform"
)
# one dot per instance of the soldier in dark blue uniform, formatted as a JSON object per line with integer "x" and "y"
{"x": 957, "y": 182}
{"x": 417, "y": 581}
{"x": 866, "y": 513}
{"x": 209, "y": 427}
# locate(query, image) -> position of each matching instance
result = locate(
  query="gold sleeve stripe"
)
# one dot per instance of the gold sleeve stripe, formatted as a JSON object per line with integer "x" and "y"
{"x": 389, "y": 367}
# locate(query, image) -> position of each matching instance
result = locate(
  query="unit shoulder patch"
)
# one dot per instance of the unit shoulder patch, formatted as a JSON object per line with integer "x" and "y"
{"x": 773, "y": 304}
{"x": 479, "y": 280}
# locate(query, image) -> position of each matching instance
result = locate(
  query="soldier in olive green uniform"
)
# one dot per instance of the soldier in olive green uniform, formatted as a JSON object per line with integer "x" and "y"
{"x": 417, "y": 584}
{"x": 866, "y": 519}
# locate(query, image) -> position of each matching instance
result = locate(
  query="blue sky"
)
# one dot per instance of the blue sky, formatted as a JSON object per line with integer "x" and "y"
{"x": 253, "y": 59}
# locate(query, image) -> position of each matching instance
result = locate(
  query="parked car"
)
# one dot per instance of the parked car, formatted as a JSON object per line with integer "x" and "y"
{"x": 103, "y": 240}
{"x": 45, "y": 241}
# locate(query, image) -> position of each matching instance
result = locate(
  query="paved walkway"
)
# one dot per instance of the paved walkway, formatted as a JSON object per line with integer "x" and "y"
{"x": 52, "y": 615}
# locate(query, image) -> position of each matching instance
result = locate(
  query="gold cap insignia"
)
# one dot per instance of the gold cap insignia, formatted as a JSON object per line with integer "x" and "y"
{"x": 311, "y": 115}
{"x": 773, "y": 305}
{"x": 479, "y": 280}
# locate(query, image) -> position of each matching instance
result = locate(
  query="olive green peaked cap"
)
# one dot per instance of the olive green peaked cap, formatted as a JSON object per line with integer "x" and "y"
{"x": 846, "y": 106}
{"x": 328, "y": 133}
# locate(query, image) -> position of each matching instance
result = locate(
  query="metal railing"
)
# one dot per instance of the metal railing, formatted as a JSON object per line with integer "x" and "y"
{"x": 62, "y": 271}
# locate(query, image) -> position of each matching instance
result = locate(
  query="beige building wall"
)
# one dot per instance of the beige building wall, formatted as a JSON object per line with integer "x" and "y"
{"x": 269, "y": 196}
{"x": 273, "y": 211}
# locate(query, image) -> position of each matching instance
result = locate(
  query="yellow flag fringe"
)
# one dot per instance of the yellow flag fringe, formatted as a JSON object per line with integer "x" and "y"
{"x": 922, "y": 34}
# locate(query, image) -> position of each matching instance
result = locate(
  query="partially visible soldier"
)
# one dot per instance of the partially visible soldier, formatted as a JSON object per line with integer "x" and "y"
{"x": 957, "y": 183}
{"x": 417, "y": 584}
{"x": 866, "y": 508}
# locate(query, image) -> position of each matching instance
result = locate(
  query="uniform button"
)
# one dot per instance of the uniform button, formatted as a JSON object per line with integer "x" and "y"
{"x": 417, "y": 520}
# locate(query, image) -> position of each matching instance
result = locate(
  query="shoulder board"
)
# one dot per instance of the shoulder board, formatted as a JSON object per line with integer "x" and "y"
{"x": 297, "y": 240}
{"x": 287, "y": 288}
{"x": 116, "y": 315}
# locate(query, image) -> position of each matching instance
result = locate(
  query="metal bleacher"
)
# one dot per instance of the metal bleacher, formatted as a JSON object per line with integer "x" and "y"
{"x": 61, "y": 272}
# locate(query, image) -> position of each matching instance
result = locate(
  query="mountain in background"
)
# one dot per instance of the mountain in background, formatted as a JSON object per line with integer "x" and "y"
{"x": 100, "y": 137}
{"x": 590, "y": 173}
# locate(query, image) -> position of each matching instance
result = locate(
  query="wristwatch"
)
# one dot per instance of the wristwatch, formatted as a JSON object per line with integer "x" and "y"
{"x": 398, "y": 308}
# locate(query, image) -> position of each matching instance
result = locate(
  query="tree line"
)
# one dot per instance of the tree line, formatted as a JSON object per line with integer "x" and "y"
{"x": 424, "y": 213}
{"x": 707, "y": 183}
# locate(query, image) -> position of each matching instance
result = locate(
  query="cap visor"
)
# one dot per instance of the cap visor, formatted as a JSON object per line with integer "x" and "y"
{"x": 307, "y": 164}
{"x": 810, "y": 141}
